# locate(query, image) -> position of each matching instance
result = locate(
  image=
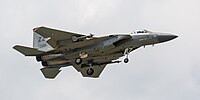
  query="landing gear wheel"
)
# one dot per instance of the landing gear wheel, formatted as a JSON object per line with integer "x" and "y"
{"x": 126, "y": 60}
{"x": 44, "y": 63}
{"x": 38, "y": 58}
{"x": 78, "y": 61}
{"x": 90, "y": 71}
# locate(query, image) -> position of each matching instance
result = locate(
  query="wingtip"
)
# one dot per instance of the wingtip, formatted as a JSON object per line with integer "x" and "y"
{"x": 35, "y": 29}
{"x": 14, "y": 47}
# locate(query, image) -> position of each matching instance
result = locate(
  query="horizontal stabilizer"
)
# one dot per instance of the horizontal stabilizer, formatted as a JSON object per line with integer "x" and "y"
{"x": 27, "y": 51}
{"x": 50, "y": 73}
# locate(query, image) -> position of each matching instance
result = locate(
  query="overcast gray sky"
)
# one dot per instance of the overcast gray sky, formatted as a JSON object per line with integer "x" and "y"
{"x": 167, "y": 71}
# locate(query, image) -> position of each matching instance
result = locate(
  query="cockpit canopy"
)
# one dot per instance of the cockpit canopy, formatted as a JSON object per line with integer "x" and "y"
{"x": 142, "y": 31}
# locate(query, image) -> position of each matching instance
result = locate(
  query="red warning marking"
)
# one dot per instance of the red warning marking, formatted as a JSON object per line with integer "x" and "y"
{"x": 35, "y": 29}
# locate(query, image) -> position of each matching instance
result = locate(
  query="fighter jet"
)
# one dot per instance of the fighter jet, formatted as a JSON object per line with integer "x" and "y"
{"x": 88, "y": 54}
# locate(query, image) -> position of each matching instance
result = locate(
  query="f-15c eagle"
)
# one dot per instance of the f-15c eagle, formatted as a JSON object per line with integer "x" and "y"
{"x": 86, "y": 53}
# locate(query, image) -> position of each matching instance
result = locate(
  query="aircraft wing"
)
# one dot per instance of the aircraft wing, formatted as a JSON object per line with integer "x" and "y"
{"x": 55, "y": 35}
{"x": 97, "y": 63}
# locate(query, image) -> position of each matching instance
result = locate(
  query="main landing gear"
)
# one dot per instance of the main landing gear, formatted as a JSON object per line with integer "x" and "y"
{"x": 90, "y": 70}
{"x": 126, "y": 60}
{"x": 126, "y": 52}
{"x": 78, "y": 61}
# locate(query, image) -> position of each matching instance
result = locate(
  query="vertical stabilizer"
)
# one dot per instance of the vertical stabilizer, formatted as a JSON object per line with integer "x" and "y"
{"x": 40, "y": 43}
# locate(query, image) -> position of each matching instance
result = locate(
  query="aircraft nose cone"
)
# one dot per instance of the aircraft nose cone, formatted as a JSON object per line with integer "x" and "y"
{"x": 166, "y": 37}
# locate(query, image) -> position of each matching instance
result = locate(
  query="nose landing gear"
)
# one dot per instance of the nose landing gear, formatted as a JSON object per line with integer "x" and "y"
{"x": 126, "y": 52}
{"x": 126, "y": 60}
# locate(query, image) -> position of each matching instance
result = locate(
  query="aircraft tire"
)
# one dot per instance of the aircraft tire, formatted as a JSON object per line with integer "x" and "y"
{"x": 90, "y": 71}
{"x": 44, "y": 64}
{"x": 38, "y": 58}
{"x": 126, "y": 60}
{"x": 78, "y": 61}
